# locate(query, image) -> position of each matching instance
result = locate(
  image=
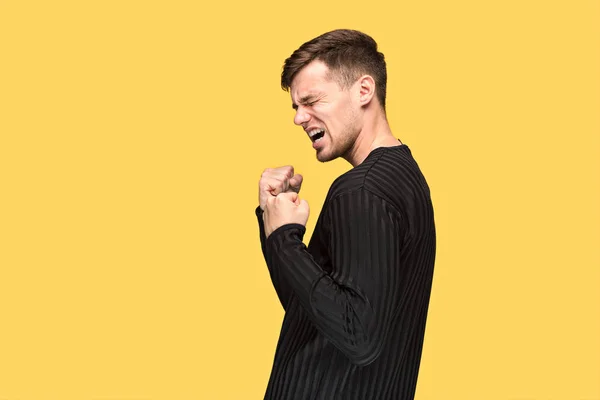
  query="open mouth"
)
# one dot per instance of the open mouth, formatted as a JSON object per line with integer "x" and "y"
{"x": 316, "y": 134}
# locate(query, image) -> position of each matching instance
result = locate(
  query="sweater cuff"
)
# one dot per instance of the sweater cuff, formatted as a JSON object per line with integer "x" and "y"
{"x": 283, "y": 228}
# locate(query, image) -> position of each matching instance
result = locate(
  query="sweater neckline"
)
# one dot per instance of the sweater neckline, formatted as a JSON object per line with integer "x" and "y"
{"x": 377, "y": 150}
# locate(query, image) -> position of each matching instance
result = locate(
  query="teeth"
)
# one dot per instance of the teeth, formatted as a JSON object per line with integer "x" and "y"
{"x": 314, "y": 132}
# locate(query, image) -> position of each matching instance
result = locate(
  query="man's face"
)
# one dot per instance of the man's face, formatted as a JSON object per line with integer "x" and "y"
{"x": 327, "y": 113}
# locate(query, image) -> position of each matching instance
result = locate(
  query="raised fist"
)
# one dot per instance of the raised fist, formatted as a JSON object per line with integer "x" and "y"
{"x": 285, "y": 208}
{"x": 274, "y": 181}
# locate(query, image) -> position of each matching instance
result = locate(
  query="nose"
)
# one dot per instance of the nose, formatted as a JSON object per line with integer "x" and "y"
{"x": 301, "y": 116}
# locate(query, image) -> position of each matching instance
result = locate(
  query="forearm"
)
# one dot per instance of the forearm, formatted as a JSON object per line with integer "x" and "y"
{"x": 282, "y": 288}
{"x": 343, "y": 313}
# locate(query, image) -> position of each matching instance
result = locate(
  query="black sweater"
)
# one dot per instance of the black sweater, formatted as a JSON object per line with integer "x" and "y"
{"x": 356, "y": 299}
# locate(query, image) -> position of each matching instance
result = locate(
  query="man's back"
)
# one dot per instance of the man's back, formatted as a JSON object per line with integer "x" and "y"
{"x": 356, "y": 299}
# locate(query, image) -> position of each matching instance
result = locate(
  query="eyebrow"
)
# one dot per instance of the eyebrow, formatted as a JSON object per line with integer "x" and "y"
{"x": 305, "y": 99}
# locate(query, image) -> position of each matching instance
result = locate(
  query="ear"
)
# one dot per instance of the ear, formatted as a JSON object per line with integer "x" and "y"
{"x": 366, "y": 87}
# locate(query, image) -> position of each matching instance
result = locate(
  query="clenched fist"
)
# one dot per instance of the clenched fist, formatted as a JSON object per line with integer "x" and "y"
{"x": 285, "y": 208}
{"x": 275, "y": 181}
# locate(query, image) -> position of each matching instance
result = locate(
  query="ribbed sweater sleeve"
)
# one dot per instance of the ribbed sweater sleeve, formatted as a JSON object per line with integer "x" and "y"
{"x": 353, "y": 306}
{"x": 282, "y": 288}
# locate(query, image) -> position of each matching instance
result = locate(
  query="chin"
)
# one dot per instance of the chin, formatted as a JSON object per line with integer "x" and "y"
{"x": 329, "y": 153}
{"x": 324, "y": 157}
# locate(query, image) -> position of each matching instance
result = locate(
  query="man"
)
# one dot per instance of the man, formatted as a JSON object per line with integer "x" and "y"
{"x": 356, "y": 298}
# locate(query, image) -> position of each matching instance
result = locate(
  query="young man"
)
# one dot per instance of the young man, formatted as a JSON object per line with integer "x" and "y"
{"x": 356, "y": 298}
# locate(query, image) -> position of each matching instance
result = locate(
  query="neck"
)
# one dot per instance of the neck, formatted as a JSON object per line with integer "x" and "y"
{"x": 375, "y": 133}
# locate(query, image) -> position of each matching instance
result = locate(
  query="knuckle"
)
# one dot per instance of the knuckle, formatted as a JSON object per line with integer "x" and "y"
{"x": 286, "y": 170}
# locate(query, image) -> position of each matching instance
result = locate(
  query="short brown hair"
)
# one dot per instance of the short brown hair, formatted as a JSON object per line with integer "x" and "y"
{"x": 347, "y": 53}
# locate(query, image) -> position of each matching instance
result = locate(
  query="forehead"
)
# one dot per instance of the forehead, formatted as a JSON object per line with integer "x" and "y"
{"x": 312, "y": 78}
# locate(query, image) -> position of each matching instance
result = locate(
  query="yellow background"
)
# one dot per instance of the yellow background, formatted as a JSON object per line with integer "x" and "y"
{"x": 133, "y": 134}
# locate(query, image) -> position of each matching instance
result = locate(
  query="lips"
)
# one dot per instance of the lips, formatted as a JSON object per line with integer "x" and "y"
{"x": 315, "y": 134}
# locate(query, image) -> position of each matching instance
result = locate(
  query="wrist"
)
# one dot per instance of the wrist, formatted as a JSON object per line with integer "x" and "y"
{"x": 299, "y": 228}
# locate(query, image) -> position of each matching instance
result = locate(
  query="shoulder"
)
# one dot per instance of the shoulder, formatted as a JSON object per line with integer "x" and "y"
{"x": 396, "y": 174}
{"x": 390, "y": 173}
{"x": 389, "y": 183}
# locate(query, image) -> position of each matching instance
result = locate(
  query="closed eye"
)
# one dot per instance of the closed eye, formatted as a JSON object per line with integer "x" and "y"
{"x": 306, "y": 104}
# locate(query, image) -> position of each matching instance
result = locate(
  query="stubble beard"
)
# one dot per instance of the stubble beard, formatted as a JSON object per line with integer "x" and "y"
{"x": 342, "y": 148}
{"x": 344, "y": 143}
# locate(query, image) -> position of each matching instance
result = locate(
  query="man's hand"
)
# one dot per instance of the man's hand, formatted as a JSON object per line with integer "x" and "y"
{"x": 285, "y": 208}
{"x": 275, "y": 181}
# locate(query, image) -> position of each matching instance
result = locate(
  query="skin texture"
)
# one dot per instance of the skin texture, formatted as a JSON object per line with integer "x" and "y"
{"x": 275, "y": 181}
{"x": 354, "y": 124}
{"x": 321, "y": 103}
{"x": 286, "y": 207}
{"x": 278, "y": 197}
